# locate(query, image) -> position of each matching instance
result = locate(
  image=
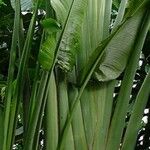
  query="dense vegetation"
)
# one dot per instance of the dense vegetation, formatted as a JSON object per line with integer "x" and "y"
{"x": 74, "y": 74}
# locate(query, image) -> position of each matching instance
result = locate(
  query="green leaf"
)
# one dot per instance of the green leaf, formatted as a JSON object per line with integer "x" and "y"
{"x": 121, "y": 108}
{"x": 51, "y": 117}
{"x": 121, "y": 12}
{"x": 20, "y": 79}
{"x": 78, "y": 129}
{"x": 141, "y": 99}
{"x": 63, "y": 105}
{"x": 134, "y": 6}
{"x": 92, "y": 31}
{"x": 107, "y": 18}
{"x": 136, "y": 116}
{"x": 2, "y": 126}
{"x": 46, "y": 54}
{"x": 97, "y": 55}
{"x": 116, "y": 48}
{"x": 10, "y": 89}
{"x": 69, "y": 41}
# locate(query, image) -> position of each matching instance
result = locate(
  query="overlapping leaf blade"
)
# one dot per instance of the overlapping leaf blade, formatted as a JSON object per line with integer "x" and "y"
{"x": 136, "y": 116}
{"x": 46, "y": 55}
{"x": 99, "y": 53}
{"x": 69, "y": 41}
{"x": 116, "y": 48}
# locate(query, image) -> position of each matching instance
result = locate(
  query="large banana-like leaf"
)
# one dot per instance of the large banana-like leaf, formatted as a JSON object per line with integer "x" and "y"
{"x": 92, "y": 30}
{"x": 71, "y": 19}
{"x": 119, "y": 115}
{"x": 136, "y": 19}
{"x": 116, "y": 48}
{"x": 72, "y": 25}
{"x": 95, "y": 27}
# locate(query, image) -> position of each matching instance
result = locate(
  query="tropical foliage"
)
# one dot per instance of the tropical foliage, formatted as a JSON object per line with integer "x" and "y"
{"x": 70, "y": 72}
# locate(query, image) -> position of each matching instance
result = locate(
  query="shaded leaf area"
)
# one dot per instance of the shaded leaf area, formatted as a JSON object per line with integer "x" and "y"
{"x": 6, "y": 15}
{"x": 6, "y": 23}
{"x": 6, "y": 30}
{"x": 6, "y": 26}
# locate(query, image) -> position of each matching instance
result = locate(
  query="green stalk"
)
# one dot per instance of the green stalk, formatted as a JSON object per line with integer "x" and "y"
{"x": 85, "y": 78}
{"x": 34, "y": 118}
{"x": 91, "y": 108}
{"x": 40, "y": 120}
{"x": 136, "y": 116}
{"x": 51, "y": 117}
{"x": 45, "y": 86}
{"x": 63, "y": 106}
{"x": 20, "y": 80}
{"x": 107, "y": 18}
{"x": 34, "y": 91}
{"x": 25, "y": 97}
{"x": 96, "y": 109}
{"x": 51, "y": 128}
{"x": 92, "y": 34}
{"x": 32, "y": 101}
{"x": 77, "y": 121}
{"x": 21, "y": 39}
{"x": 42, "y": 87}
{"x": 51, "y": 122}
{"x": 11, "y": 72}
{"x": 76, "y": 102}
{"x": 2, "y": 126}
{"x": 35, "y": 86}
{"x": 104, "y": 114}
{"x": 140, "y": 103}
{"x": 118, "y": 119}
{"x": 121, "y": 12}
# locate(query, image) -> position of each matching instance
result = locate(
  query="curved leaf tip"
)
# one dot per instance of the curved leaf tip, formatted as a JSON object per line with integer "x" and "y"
{"x": 118, "y": 50}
